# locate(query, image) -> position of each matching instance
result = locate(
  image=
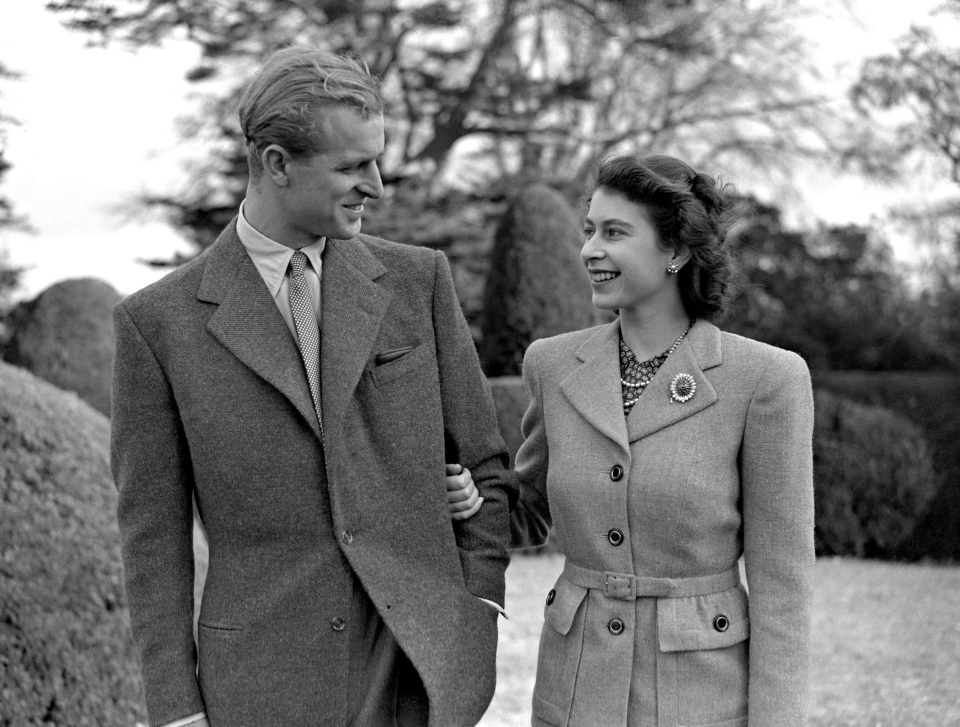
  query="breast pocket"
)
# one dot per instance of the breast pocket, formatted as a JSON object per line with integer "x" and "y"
{"x": 702, "y": 669}
{"x": 561, "y": 645}
{"x": 388, "y": 372}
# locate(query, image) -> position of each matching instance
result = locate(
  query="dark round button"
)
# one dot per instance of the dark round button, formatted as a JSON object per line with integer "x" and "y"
{"x": 551, "y": 596}
{"x": 346, "y": 537}
{"x": 615, "y": 626}
{"x": 616, "y": 473}
{"x": 615, "y": 537}
{"x": 721, "y": 623}
{"x": 338, "y": 624}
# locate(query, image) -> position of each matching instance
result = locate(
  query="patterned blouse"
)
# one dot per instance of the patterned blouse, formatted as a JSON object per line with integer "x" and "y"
{"x": 635, "y": 375}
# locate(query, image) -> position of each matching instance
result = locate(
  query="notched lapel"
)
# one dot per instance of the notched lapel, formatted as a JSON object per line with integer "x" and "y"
{"x": 353, "y": 308}
{"x": 655, "y": 410}
{"x": 593, "y": 388}
{"x": 248, "y": 323}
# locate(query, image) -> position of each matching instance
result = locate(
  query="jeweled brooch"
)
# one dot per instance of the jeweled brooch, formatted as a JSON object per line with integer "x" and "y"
{"x": 682, "y": 388}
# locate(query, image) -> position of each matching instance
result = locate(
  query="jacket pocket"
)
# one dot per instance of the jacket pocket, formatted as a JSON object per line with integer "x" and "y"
{"x": 702, "y": 672}
{"x": 561, "y": 646}
{"x": 416, "y": 358}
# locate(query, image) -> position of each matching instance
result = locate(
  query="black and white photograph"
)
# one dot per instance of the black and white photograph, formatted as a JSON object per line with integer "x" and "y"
{"x": 456, "y": 363}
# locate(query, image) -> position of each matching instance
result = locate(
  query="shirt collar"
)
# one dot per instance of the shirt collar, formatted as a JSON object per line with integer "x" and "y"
{"x": 272, "y": 258}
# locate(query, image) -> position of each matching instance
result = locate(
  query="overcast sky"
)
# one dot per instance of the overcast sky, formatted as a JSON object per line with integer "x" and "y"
{"x": 98, "y": 128}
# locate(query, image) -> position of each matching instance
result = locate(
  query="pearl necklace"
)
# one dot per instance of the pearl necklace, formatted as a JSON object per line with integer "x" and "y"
{"x": 656, "y": 362}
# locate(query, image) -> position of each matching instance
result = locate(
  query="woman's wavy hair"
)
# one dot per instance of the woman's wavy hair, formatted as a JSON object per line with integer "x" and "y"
{"x": 691, "y": 212}
{"x": 280, "y": 104}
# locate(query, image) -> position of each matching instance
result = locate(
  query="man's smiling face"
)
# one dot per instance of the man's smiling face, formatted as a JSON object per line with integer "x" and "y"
{"x": 327, "y": 190}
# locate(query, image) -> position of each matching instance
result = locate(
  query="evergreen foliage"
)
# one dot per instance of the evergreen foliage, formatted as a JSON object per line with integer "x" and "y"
{"x": 536, "y": 286}
{"x": 66, "y": 654}
{"x": 65, "y": 336}
{"x": 874, "y": 477}
{"x": 931, "y": 401}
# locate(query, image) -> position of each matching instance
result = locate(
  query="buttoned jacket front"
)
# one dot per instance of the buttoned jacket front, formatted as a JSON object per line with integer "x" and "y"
{"x": 211, "y": 398}
{"x": 649, "y": 625}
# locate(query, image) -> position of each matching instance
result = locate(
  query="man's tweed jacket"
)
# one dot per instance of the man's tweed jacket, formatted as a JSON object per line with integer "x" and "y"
{"x": 211, "y": 398}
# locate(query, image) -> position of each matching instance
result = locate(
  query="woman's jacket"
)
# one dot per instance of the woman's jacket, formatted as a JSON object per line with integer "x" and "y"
{"x": 653, "y": 512}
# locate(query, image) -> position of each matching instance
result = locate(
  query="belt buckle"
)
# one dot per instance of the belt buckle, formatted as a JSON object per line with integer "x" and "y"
{"x": 620, "y": 586}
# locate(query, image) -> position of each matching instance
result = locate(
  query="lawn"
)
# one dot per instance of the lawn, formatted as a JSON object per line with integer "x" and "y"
{"x": 886, "y": 643}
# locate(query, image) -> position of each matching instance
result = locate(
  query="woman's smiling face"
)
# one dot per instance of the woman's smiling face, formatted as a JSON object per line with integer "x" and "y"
{"x": 624, "y": 257}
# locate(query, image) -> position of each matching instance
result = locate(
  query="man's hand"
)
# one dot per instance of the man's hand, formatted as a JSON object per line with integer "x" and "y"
{"x": 463, "y": 498}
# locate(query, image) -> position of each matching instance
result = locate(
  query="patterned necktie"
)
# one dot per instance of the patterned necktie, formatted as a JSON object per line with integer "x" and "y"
{"x": 308, "y": 333}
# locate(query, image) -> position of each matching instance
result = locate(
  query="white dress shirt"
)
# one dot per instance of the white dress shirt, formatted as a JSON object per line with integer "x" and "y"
{"x": 272, "y": 260}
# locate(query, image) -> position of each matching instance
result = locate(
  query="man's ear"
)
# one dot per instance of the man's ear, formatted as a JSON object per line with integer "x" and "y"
{"x": 275, "y": 160}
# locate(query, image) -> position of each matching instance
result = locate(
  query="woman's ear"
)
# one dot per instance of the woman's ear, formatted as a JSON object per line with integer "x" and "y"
{"x": 680, "y": 257}
{"x": 276, "y": 161}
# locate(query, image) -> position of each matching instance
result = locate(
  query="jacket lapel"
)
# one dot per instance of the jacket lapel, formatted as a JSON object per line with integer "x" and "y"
{"x": 248, "y": 323}
{"x": 593, "y": 388}
{"x": 699, "y": 351}
{"x": 353, "y": 308}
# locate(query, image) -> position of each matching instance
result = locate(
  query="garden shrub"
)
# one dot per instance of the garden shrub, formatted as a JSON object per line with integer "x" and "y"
{"x": 536, "y": 286}
{"x": 66, "y": 653}
{"x": 873, "y": 474}
{"x": 65, "y": 336}
{"x": 932, "y": 402}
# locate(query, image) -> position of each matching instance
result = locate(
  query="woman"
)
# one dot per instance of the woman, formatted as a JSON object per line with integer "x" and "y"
{"x": 661, "y": 450}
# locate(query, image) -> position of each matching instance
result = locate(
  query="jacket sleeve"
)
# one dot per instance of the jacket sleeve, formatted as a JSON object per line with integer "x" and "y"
{"x": 473, "y": 440}
{"x": 152, "y": 471}
{"x": 777, "y": 489}
{"x": 530, "y": 519}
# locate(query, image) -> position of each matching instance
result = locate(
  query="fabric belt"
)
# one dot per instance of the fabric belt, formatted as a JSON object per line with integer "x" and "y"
{"x": 628, "y": 587}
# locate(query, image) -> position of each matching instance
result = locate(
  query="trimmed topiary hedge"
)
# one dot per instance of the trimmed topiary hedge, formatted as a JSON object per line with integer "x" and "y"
{"x": 536, "y": 286}
{"x": 874, "y": 477}
{"x": 932, "y": 402}
{"x": 65, "y": 336}
{"x": 66, "y": 654}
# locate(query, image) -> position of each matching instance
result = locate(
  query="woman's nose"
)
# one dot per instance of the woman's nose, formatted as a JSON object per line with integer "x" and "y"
{"x": 590, "y": 250}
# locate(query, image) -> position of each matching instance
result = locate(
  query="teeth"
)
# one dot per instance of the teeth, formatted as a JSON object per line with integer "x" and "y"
{"x": 603, "y": 277}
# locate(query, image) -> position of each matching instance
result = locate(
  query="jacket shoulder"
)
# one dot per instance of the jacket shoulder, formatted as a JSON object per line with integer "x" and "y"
{"x": 569, "y": 341}
{"x": 181, "y": 282}
{"x": 563, "y": 346}
{"x": 408, "y": 267}
{"x": 388, "y": 251}
{"x": 761, "y": 356}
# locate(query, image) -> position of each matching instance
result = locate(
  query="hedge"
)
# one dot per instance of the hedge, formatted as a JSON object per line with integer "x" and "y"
{"x": 536, "y": 286}
{"x": 66, "y": 654}
{"x": 65, "y": 336}
{"x": 932, "y": 402}
{"x": 873, "y": 477}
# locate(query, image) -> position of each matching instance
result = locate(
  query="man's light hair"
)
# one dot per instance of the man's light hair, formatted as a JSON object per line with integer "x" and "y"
{"x": 280, "y": 104}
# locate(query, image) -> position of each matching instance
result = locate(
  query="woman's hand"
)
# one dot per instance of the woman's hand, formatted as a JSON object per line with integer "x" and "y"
{"x": 463, "y": 498}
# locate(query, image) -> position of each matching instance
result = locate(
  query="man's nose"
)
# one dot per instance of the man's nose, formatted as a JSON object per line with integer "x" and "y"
{"x": 372, "y": 185}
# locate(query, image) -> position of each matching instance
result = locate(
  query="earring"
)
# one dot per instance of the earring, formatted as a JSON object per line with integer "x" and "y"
{"x": 673, "y": 268}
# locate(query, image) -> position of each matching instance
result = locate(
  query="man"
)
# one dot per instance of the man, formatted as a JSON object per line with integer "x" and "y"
{"x": 306, "y": 384}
